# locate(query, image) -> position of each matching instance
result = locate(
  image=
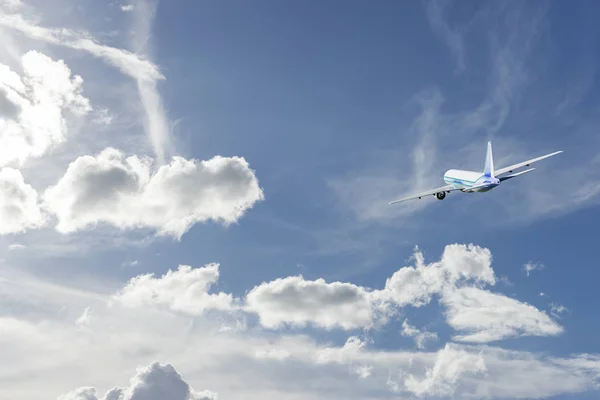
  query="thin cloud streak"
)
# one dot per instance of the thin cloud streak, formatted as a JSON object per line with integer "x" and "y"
{"x": 157, "y": 121}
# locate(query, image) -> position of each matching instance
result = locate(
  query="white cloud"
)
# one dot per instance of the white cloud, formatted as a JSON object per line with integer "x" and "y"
{"x": 127, "y": 7}
{"x": 530, "y": 266}
{"x": 153, "y": 382}
{"x": 184, "y": 290}
{"x": 127, "y": 193}
{"x": 420, "y": 337}
{"x": 352, "y": 349}
{"x": 16, "y": 246}
{"x": 557, "y": 309}
{"x": 272, "y": 354}
{"x": 296, "y": 301}
{"x": 34, "y": 108}
{"x": 103, "y": 117}
{"x": 83, "y": 393}
{"x": 486, "y": 316}
{"x": 85, "y": 318}
{"x": 451, "y": 364}
{"x": 19, "y": 207}
{"x": 130, "y": 263}
{"x": 415, "y": 286}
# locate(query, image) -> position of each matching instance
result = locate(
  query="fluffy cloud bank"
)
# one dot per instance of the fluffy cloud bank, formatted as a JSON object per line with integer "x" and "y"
{"x": 125, "y": 192}
{"x": 479, "y": 315}
{"x": 154, "y": 382}
{"x": 272, "y": 363}
{"x": 34, "y": 107}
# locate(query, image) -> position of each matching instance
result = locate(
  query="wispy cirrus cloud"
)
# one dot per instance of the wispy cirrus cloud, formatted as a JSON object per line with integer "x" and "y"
{"x": 453, "y": 36}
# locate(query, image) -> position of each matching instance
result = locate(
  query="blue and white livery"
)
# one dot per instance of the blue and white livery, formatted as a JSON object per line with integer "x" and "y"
{"x": 471, "y": 181}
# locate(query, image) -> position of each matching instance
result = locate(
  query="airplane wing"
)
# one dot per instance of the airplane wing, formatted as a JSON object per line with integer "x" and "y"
{"x": 447, "y": 188}
{"x": 524, "y": 163}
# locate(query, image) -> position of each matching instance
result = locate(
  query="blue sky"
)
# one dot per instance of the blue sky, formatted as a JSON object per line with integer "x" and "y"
{"x": 268, "y": 138}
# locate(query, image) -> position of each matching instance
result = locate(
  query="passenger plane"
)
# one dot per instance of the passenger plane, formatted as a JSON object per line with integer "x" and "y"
{"x": 471, "y": 181}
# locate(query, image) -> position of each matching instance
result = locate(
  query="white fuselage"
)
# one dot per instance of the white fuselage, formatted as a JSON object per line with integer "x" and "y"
{"x": 465, "y": 180}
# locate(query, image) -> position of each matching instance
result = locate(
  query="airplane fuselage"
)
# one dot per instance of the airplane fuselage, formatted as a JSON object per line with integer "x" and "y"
{"x": 470, "y": 181}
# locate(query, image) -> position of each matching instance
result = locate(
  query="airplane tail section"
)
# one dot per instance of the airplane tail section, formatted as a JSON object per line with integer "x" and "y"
{"x": 488, "y": 170}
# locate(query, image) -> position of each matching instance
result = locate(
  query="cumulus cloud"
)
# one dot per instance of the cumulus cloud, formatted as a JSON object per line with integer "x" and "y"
{"x": 127, "y": 193}
{"x": 296, "y": 301}
{"x": 153, "y": 382}
{"x": 185, "y": 290}
{"x": 127, "y": 7}
{"x": 486, "y": 316}
{"x": 416, "y": 285}
{"x": 34, "y": 108}
{"x": 19, "y": 206}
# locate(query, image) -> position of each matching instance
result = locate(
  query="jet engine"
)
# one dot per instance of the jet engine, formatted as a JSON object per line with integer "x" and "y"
{"x": 440, "y": 195}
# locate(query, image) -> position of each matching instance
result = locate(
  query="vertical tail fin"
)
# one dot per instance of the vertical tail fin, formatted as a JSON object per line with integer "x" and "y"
{"x": 488, "y": 170}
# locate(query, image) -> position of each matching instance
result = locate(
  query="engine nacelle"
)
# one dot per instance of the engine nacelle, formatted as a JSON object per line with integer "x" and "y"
{"x": 440, "y": 195}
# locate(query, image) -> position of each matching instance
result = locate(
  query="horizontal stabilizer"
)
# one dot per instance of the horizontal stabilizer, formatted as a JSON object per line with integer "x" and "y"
{"x": 515, "y": 174}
